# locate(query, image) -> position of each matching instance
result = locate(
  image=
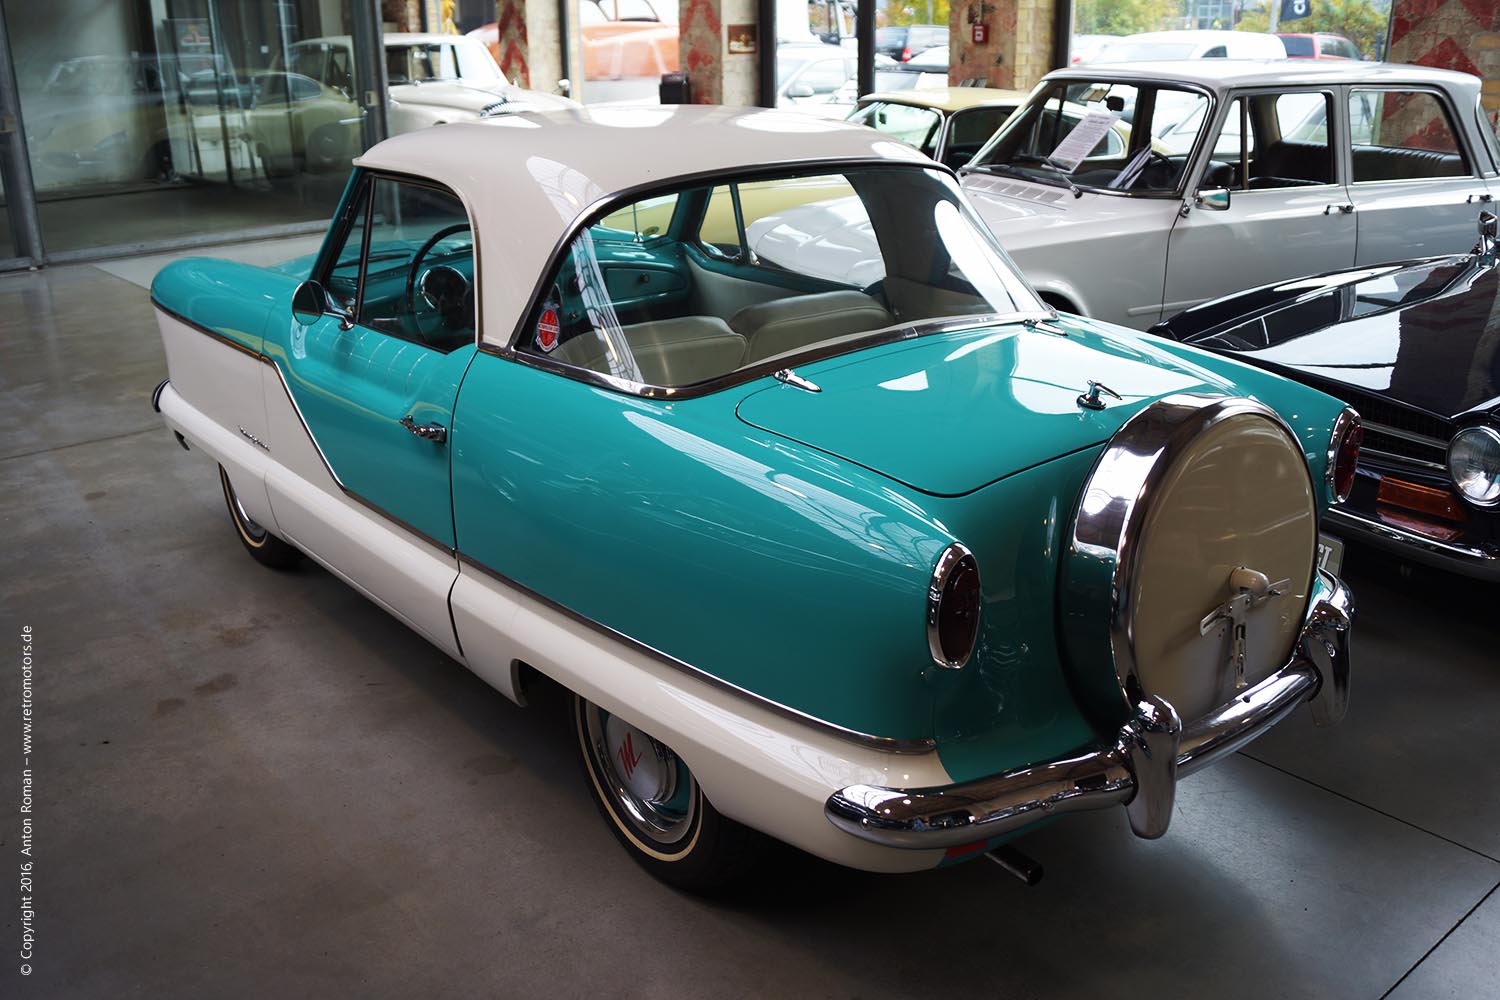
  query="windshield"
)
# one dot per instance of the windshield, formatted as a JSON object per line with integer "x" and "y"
{"x": 701, "y": 282}
{"x": 1099, "y": 135}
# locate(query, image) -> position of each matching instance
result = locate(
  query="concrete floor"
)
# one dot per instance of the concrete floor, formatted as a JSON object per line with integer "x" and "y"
{"x": 254, "y": 784}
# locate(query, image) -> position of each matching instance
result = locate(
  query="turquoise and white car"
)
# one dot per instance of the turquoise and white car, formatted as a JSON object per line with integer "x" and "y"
{"x": 889, "y": 569}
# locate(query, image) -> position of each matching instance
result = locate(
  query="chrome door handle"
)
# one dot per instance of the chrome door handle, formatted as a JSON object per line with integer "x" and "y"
{"x": 1343, "y": 209}
{"x": 435, "y": 433}
{"x": 1471, "y": 199}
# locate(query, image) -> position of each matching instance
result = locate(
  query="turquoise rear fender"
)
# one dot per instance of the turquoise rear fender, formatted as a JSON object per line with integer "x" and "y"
{"x": 771, "y": 565}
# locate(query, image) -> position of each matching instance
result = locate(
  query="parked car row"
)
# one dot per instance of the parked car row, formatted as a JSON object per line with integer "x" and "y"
{"x": 1240, "y": 185}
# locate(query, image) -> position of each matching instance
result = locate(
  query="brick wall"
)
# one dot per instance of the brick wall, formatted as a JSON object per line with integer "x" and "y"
{"x": 1018, "y": 50}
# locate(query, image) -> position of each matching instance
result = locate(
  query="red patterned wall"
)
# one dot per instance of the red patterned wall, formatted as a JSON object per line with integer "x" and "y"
{"x": 702, "y": 46}
{"x": 513, "y": 51}
{"x": 1450, "y": 34}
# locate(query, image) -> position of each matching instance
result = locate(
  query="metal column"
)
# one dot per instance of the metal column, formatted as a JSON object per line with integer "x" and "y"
{"x": 864, "y": 28}
{"x": 15, "y": 165}
{"x": 765, "y": 55}
{"x": 369, "y": 62}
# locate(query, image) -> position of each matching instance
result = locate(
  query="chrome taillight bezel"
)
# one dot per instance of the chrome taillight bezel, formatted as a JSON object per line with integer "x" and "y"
{"x": 954, "y": 557}
{"x": 1348, "y": 422}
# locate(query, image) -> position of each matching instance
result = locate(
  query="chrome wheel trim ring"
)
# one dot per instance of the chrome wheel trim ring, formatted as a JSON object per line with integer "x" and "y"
{"x": 650, "y": 787}
{"x": 247, "y": 524}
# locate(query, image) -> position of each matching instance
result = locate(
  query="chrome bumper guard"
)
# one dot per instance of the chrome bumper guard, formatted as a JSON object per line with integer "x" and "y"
{"x": 1455, "y": 557}
{"x": 1139, "y": 770}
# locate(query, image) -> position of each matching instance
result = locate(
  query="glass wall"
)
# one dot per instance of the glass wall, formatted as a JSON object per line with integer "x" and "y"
{"x": 1135, "y": 30}
{"x": 158, "y": 120}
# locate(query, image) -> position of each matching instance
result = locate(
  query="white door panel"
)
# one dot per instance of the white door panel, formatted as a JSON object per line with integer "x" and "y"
{"x": 396, "y": 569}
{"x": 1264, "y": 236}
{"x": 1423, "y": 217}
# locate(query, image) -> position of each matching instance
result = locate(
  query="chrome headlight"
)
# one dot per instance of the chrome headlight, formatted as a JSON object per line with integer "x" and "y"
{"x": 1474, "y": 464}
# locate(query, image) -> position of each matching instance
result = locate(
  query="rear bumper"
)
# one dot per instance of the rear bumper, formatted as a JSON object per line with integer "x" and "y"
{"x": 1139, "y": 770}
{"x": 1455, "y": 557}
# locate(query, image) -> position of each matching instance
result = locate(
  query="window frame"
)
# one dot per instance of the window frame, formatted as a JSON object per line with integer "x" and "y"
{"x": 360, "y": 192}
{"x": 614, "y": 202}
{"x": 1455, "y": 124}
{"x": 1334, "y": 97}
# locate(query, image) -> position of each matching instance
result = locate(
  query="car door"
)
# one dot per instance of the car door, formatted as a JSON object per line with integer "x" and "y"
{"x": 1279, "y": 209}
{"x": 1414, "y": 186}
{"x": 376, "y": 376}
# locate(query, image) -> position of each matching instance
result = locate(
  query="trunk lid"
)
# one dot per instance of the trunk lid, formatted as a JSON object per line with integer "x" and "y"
{"x": 948, "y": 413}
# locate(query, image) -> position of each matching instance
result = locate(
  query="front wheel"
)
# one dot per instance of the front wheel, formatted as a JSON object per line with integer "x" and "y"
{"x": 267, "y": 549}
{"x": 654, "y": 807}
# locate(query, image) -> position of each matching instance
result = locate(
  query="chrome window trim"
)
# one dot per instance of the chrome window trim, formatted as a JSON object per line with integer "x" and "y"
{"x": 762, "y": 369}
{"x": 1486, "y": 430}
{"x": 946, "y": 563}
{"x": 1107, "y": 535}
{"x": 1347, "y": 420}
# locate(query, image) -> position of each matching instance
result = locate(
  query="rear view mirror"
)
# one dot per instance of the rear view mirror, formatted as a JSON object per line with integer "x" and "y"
{"x": 1213, "y": 199}
{"x": 309, "y": 302}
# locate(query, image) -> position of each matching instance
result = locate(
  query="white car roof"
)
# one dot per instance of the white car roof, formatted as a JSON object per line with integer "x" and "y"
{"x": 1220, "y": 75}
{"x": 528, "y": 178}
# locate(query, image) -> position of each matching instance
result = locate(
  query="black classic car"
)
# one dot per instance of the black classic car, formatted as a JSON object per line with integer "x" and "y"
{"x": 1415, "y": 348}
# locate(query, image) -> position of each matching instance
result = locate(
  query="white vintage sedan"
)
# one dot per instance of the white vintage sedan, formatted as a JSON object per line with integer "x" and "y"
{"x": 305, "y": 116}
{"x": 1237, "y": 174}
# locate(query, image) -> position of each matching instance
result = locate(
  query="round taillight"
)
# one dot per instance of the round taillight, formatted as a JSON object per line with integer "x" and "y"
{"x": 1343, "y": 454}
{"x": 953, "y": 607}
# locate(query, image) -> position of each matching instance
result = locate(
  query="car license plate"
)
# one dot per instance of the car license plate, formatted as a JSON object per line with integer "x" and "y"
{"x": 1330, "y": 554}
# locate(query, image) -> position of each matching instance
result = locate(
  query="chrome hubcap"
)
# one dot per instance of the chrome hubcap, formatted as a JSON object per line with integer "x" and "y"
{"x": 652, "y": 789}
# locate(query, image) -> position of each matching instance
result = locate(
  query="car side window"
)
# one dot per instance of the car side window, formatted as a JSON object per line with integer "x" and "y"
{"x": 741, "y": 219}
{"x": 406, "y": 267}
{"x": 1286, "y": 144}
{"x": 914, "y": 126}
{"x": 1403, "y": 134}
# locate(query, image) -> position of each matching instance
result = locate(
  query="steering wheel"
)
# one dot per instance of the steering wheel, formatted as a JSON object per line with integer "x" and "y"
{"x": 415, "y": 267}
{"x": 1153, "y": 155}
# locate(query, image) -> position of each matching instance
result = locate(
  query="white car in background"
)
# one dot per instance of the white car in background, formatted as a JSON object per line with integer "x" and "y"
{"x": 305, "y": 115}
{"x": 1153, "y": 46}
{"x": 1205, "y": 207}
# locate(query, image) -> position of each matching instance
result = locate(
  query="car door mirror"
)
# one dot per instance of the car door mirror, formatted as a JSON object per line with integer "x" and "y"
{"x": 1213, "y": 199}
{"x": 310, "y": 303}
{"x": 799, "y": 91}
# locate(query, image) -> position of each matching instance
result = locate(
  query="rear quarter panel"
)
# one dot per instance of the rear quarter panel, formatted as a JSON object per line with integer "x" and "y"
{"x": 767, "y": 564}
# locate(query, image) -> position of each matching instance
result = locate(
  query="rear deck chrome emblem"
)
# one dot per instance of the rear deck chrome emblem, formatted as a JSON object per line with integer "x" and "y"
{"x": 1248, "y": 589}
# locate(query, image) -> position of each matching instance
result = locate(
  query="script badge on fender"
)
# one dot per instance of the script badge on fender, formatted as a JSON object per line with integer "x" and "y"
{"x": 547, "y": 329}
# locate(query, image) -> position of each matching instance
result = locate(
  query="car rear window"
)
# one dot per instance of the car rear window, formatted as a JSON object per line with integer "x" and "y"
{"x": 1299, "y": 46}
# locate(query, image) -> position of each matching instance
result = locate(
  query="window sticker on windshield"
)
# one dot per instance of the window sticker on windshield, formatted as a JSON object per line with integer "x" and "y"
{"x": 1082, "y": 140}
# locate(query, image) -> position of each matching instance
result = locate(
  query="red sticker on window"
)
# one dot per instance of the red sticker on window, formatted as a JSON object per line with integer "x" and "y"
{"x": 547, "y": 329}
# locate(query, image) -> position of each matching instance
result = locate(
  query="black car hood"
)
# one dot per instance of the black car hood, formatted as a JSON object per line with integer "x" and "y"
{"x": 1424, "y": 333}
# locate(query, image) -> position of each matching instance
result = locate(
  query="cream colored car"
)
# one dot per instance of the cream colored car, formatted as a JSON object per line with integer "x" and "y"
{"x": 305, "y": 117}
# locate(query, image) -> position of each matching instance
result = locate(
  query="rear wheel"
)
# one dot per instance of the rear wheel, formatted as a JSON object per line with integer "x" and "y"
{"x": 267, "y": 549}
{"x": 655, "y": 808}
